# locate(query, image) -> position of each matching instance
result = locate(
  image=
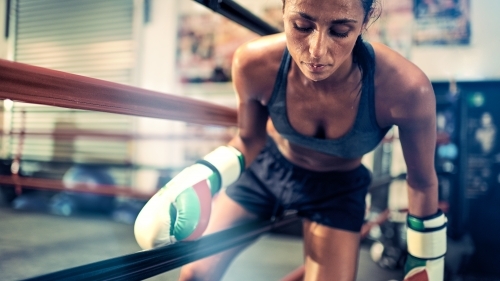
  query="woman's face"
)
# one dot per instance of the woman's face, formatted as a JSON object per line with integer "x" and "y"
{"x": 321, "y": 34}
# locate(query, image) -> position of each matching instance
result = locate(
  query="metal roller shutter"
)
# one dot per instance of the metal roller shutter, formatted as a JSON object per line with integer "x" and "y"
{"x": 92, "y": 38}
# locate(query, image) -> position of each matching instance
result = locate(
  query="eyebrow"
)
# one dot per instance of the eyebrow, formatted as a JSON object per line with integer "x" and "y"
{"x": 337, "y": 21}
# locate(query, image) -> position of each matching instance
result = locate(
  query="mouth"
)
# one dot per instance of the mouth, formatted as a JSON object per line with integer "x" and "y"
{"x": 315, "y": 67}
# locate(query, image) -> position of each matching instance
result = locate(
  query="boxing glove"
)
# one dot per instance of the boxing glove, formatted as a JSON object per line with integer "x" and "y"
{"x": 181, "y": 209}
{"x": 426, "y": 240}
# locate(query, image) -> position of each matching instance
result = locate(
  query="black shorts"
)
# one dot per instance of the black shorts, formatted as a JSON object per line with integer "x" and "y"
{"x": 272, "y": 185}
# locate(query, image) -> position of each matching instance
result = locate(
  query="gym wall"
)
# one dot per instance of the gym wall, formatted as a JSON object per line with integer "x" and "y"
{"x": 477, "y": 61}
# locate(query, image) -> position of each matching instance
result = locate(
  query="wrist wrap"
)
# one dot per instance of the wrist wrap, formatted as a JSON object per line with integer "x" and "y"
{"x": 427, "y": 236}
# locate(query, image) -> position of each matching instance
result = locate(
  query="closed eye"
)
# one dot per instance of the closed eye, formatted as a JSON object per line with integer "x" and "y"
{"x": 339, "y": 34}
{"x": 302, "y": 29}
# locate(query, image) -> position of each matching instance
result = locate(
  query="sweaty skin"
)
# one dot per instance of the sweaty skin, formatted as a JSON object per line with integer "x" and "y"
{"x": 322, "y": 93}
{"x": 322, "y": 99}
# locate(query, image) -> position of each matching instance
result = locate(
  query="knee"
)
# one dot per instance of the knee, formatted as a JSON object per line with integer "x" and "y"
{"x": 192, "y": 273}
{"x": 188, "y": 275}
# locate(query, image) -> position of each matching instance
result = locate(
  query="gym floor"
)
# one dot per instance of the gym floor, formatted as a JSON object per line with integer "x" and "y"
{"x": 34, "y": 243}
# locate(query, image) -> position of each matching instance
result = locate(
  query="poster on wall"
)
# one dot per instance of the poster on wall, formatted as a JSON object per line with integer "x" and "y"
{"x": 483, "y": 121}
{"x": 205, "y": 47}
{"x": 207, "y": 42}
{"x": 394, "y": 26}
{"x": 442, "y": 22}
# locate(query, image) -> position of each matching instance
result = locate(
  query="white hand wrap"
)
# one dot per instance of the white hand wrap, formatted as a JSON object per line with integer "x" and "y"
{"x": 427, "y": 238}
{"x": 426, "y": 247}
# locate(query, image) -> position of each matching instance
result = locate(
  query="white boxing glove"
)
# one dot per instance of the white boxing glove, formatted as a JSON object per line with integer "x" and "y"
{"x": 181, "y": 209}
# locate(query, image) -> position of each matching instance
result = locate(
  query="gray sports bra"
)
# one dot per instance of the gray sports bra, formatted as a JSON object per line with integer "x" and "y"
{"x": 362, "y": 138}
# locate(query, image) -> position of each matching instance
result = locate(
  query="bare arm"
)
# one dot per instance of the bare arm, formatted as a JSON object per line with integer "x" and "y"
{"x": 416, "y": 119}
{"x": 407, "y": 100}
{"x": 426, "y": 227}
{"x": 252, "y": 115}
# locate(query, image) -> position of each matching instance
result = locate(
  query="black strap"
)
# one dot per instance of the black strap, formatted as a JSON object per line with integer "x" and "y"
{"x": 146, "y": 264}
{"x": 214, "y": 170}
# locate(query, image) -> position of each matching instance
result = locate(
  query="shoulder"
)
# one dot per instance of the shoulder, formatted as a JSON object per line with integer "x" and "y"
{"x": 256, "y": 64}
{"x": 393, "y": 71}
{"x": 400, "y": 85}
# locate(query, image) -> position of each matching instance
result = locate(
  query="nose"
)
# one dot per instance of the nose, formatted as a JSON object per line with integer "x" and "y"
{"x": 317, "y": 44}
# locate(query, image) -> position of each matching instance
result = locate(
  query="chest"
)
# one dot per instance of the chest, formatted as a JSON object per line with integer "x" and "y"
{"x": 328, "y": 115}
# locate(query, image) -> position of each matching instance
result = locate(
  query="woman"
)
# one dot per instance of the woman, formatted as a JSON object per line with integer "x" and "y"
{"x": 311, "y": 102}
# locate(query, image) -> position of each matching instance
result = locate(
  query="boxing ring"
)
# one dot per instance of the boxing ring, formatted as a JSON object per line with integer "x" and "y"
{"x": 36, "y": 85}
{"x": 31, "y": 84}
{"x": 26, "y": 83}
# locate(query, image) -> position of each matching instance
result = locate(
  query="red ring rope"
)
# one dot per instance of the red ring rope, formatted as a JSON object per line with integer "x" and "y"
{"x": 31, "y": 84}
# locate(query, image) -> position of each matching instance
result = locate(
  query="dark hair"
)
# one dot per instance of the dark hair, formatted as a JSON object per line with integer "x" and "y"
{"x": 361, "y": 56}
{"x": 363, "y": 59}
{"x": 367, "y": 6}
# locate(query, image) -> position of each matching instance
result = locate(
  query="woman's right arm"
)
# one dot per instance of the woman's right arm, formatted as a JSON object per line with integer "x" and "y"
{"x": 250, "y": 86}
{"x": 181, "y": 209}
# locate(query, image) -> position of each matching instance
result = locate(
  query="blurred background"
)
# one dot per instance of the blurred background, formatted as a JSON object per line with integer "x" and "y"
{"x": 183, "y": 48}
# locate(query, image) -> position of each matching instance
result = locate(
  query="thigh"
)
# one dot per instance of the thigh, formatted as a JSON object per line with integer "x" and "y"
{"x": 330, "y": 254}
{"x": 226, "y": 213}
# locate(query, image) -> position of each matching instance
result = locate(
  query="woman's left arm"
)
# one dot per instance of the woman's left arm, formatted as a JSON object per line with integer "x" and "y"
{"x": 426, "y": 224}
{"x": 417, "y": 133}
